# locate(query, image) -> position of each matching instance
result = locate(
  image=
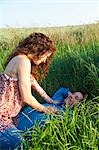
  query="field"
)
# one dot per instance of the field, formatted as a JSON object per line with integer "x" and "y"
{"x": 75, "y": 65}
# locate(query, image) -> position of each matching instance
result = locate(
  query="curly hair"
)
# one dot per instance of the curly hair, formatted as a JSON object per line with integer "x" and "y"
{"x": 35, "y": 44}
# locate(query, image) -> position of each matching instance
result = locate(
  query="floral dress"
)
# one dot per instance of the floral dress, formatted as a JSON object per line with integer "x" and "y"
{"x": 10, "y": 101}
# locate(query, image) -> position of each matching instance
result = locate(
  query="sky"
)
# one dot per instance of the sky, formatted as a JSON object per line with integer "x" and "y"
{"x": 44, "y": 13}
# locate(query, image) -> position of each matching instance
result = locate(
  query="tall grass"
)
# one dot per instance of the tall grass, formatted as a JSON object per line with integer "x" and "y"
{"x": 65, "y": 132}
{"x": 75, "y": 65}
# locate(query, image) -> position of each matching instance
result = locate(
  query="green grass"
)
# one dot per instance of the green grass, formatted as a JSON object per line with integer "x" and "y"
{"x": 65, "y": 132}
{"x": 75, "y": 65}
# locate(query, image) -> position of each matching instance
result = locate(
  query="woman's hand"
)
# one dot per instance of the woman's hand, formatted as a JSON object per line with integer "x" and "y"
{"x": 50, "y": 110}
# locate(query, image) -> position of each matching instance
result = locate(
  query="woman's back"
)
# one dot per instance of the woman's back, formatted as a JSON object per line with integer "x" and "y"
{"x": 12, "y": 67}
{"x": 10, "y": 99}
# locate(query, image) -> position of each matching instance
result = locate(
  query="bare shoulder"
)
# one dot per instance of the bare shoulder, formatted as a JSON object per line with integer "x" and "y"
{"x": 22, "y": 59}
{"x": 17, "y": 62}
{"x": 23, "y": 64}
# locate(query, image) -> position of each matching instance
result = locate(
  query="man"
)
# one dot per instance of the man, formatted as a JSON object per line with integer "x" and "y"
{"x": 62, "y": 97}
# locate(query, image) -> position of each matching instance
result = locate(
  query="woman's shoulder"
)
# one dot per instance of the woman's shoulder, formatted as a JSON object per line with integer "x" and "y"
{"x": 23, "y": 64}
{"x": 23, "y": 60}
{"x": 18, "y": 59}
{"x": 16, "y": 63}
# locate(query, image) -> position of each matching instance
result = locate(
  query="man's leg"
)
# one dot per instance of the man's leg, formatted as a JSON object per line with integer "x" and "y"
{"x": 29, "y": 117}
{"x": 10, "y": 138}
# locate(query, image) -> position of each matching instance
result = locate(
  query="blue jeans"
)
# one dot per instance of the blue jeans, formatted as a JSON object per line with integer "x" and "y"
{"x": 12, "y": 137}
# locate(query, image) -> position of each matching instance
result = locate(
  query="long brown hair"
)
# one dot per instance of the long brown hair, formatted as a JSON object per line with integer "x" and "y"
{"x": 35, "y": 44}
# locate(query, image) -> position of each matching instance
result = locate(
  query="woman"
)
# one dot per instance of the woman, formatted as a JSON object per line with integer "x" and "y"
{"x": 24, "y": 67}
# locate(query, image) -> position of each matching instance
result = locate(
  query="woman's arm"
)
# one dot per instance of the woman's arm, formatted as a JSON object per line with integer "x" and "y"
{"x": 24, "y": 68}
{"x": 40, "y": 91}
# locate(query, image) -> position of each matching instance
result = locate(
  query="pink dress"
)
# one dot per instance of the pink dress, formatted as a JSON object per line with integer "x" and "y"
{"x": 10, "y": 101}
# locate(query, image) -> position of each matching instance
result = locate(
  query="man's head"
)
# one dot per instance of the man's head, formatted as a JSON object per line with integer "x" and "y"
{"x": 73, "y": 98}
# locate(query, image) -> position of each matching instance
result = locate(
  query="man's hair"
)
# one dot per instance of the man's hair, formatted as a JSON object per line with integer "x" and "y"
{"x": 83, "y": 93}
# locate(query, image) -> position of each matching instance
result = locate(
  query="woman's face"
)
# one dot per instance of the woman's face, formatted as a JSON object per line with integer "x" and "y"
{"x": 42, "y": 59}
{"x": 73, "y": 99}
